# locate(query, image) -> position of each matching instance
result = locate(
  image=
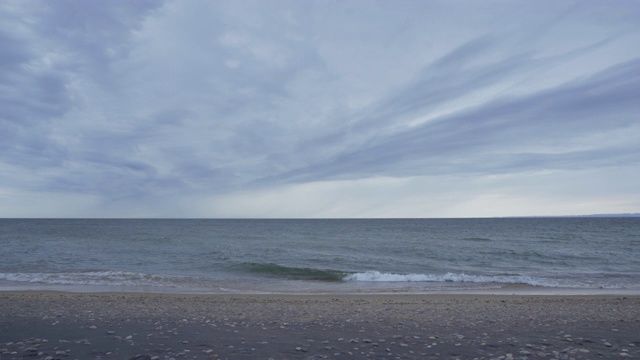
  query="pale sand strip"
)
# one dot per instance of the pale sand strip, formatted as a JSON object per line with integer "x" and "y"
{"x": 165, "y": 326}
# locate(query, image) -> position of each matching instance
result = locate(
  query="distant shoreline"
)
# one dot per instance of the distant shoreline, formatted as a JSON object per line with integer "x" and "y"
{"x": 510, "y": 290}
{"x": 629, "y": 215}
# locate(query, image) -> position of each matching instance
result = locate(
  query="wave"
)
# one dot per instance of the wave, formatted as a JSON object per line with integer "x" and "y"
{"x": 108, "y": 278}
{"x": 135, "y": 279}
{"x": 376, "y": 276}
{"x": 478, "y": 239}
{"x": 293, "y": 273}
{"x": 331, "y": 275}
{"x": 302, "y": 273}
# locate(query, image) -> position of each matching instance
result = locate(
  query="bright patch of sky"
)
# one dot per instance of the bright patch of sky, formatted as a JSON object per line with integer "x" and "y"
{"x": 319, "y": 108}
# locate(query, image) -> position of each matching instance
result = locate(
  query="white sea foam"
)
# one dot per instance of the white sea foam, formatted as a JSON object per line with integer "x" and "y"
{"x": 376, "y": 276}
{"x": 114, "y": 278}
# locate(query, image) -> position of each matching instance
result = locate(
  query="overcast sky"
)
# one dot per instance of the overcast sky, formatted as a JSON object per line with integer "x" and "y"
{"x": 295, "y": 108}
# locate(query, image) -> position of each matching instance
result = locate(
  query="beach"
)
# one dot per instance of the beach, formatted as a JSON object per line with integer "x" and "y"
{"x": 66, "y": 325}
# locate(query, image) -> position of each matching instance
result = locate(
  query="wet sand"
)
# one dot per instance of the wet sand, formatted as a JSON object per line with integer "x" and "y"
{"x": 58, "y": 325}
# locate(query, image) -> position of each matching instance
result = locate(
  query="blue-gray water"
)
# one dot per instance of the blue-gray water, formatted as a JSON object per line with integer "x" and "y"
{"x": 301, "y": 256}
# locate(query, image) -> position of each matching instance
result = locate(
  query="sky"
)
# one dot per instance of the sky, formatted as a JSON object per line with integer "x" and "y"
{"x": 319, "y": 109}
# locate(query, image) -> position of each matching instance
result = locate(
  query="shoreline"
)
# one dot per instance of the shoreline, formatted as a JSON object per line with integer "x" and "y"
{"x": 514, "y": 289}
{"x": 125, "y": 325}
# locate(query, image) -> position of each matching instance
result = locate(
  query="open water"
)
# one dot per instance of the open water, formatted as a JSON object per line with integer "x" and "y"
{"x": 320, "y": 256}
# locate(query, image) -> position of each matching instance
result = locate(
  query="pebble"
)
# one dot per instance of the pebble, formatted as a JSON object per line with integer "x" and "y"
{"x": 498, "y": 344}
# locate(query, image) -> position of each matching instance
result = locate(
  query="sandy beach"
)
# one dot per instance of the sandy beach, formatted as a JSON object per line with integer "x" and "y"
{"x": 59, "y": 325}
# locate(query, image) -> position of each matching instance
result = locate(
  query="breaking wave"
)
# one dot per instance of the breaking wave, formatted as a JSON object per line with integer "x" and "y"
{"x": 135, "y": 279}
{"x": 293, "y": 273}
{"x": 376, "y": 276}
{"x": 330, "y": 275}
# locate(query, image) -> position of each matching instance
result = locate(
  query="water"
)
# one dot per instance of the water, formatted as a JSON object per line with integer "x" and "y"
{"x": 319, "y": 256}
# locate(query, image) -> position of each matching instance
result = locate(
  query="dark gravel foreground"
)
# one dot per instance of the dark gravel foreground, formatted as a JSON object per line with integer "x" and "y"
{"x": 52, "y": 325}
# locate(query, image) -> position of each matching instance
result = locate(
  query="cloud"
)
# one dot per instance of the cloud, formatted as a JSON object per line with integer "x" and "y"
{"x": 150, "y": 106}
{"x": 48, "y": 49}
{"x": 525, "y": 194}
{"x": 537, "y": 131}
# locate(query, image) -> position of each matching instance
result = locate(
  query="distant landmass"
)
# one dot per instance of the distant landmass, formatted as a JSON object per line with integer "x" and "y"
{"x": 625, "y": 215}
{"x": 612, "y": 215}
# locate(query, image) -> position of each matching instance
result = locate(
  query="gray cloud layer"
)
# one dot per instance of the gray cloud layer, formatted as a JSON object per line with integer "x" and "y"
{"x": 507, "y": 134}
{"x": 130, "y": 102}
